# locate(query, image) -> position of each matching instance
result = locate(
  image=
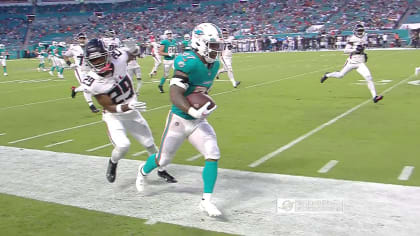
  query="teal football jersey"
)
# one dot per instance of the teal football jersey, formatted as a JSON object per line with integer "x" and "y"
{"x": 170, "y": 47}
{"x": 186, "y": 45}
{"x": 200, "y": 76}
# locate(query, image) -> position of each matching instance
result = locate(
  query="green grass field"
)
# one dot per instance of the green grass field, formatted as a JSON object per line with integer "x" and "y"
{"x": 279, "y": 100}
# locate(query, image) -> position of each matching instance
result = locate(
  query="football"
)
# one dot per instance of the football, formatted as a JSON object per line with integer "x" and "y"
{"x": 199, "y": 99}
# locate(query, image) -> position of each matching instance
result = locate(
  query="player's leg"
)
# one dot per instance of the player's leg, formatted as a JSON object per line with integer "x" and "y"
{"x": 228, "y": 65}
{"x": 222, "y": 69}
{"x": 167, "y": 64}
{"x": 364, "y": 71}
{"x": 155, "y": 67}
{"x": 417, "y": 71}
{"x": 204, "y": 140}
{"x": 137, "y": 72}
{"x": 339, "y": 74}
{"x": 119, "y": 139}
{"x": 3, "y": 63}
{"x": 172, "y": 138}
{"x": 53, "y": 65}
{"x": 60, "y": 68}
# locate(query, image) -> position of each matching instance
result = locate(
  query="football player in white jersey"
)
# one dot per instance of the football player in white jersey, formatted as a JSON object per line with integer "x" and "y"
{"x": 109, "y": 82}
{"x": 80, "y": 68}
{"x": 133, "y": 68}
{"x": 3, "y": 58}
{"x": 155, "y": 54}
{"x": 110, "y": 40}
{"x": 356, "y": 61}
{"x": 226, "y": 58}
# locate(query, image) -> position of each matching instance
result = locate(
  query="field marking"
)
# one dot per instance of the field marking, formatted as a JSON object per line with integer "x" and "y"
{"x": 327, "y": 167}
{"x": 310, "y": 133}
{"x": 63, "y": 142}
{"x": 139, "y": 153}
{"x": 2, "y": 134}
{"x": 34, "y": 103}
{"x": 99, "y": 147}
{"x": 54, "y": 132}
{"x": 244, "y": 197}
{"x": 151, "y": 222}
{"x": 406, "y": 173}
{"x": 195, "y": 157}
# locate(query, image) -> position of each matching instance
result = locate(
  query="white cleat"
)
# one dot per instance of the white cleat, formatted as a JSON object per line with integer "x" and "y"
{"x": 140, "y": 180}
{"x": 5, "y": 74}
{"x": 210, "y": 208}
{"x": 51, "y": 73}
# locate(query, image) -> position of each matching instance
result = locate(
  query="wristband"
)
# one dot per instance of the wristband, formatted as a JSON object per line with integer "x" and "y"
{"x": 119, "y": 108}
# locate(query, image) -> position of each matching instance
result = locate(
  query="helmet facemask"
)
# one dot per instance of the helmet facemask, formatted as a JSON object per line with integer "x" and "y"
{"x": 207, "y": 41}
{"x": 359, "y": 31}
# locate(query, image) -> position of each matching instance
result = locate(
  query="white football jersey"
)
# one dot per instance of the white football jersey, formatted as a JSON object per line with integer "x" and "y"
{"x": 133, "y": 64}
{"x": 77, "y": 52}
{"x": 111, "y": 43}
{"x": 227, "y": 51}
{"x": 352, "y": 44}
{"x": 118, "y": 85}
{"x": 155, "y": 48}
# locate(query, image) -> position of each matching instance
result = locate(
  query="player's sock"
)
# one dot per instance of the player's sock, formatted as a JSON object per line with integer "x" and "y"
{"x": 162, "y": 81}
{"x": 371, "y": 87}
{"x": 209, "y": 176}
{"x": 52, "y": 68}
{"x": 61, "y": 70}
{"x": 138, "y": 85}
{"x": 4, "y": 69}
{"x": 150, "y": 164}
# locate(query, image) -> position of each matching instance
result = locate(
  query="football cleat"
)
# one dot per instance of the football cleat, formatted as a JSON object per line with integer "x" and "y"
{"x": 51, "y": 73}
{"x": 140, "y": 180}
{"x": 111, "y": 172}
{"x": 94, "y": 109}
{"x": 237, "y": 84}
{"x": 324, "y": 77}
{"x": 377, "y": 98}
{"x": 5, "y": 74}
{"x": 73, "y": 92}
{"x": 210, "y": 208}
{"x": 166, "y": 176}
{"x": 161, "y": 89}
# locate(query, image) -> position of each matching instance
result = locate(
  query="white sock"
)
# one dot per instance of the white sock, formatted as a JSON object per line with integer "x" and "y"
{"x": 371, "y": 87}
{"x": 206, "y": 196}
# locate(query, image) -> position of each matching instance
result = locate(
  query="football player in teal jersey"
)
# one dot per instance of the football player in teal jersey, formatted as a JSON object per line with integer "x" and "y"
{"x": 195, "y": 71}
{"x": 3, "y": 57}
{"x": 41, "y": 55}
{"x": 167, "y": 49}
{"x": 186, "y": 43}
{"x": 51, "y": 51}
{"x": 59, "y": 58}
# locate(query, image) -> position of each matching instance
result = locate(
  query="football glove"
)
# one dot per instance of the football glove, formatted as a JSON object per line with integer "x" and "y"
{"x": 136, "y": 105}
{"x": 202, "y": 112}
{"x": 359, "y": 49}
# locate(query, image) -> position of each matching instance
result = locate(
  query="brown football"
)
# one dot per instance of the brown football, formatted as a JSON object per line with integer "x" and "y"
{"x": 199, "y": 99}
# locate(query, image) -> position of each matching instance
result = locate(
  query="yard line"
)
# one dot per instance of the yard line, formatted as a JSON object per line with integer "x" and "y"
{"x": 100, "y": 147}
{"x": 328, "y": 166}
{"x": 63, "y": 142}
{"x": 34, "y": 103}
{"x": 406, "y": 173}
{"x": 194, "y": 157}
{"x": 139, "y": 153}
{"x": 303, "y": 137}
{"x": 54, "y": 132}
{"x": 2, "y": 134}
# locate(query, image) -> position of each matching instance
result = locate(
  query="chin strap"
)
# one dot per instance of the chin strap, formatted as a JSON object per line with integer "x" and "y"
{"x": 106, "y": 68}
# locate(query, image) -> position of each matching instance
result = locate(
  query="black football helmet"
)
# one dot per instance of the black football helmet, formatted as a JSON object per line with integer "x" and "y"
{"x": 97, "y": 56}
{"x": 225, "y": 33}
{"x": 359, "y": 30}
{"x": 110, "y": 33}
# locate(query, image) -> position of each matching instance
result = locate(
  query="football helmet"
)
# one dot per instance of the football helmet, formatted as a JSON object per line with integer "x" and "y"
{"x": 97, "y": 56}
{"x": 359, "y": 30}
{"x": 168, "y": 34}
{"x": 110, "y": 33}
{"x": 1, "y": 46}
{"x": 54, "y": 43}
{"x": 82, "y": 39}
{"x": 225, "y": 33}
{"x": 187, "y": 37}
{"x": 40, "y": 44}
{"x": 207, "y": 41}
{"x": 62, "y": 44}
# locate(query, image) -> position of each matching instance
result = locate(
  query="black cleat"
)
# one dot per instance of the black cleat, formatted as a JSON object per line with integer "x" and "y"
{"x": 111, "y": 172}
{"x": 217, "y": 76}
{"x": 324, "y": 77}
{"x": 73, "y": 92}
{"x": 237, "y": 84}
{"x": 165, "y": 175}
{"x": 377, "y": 98}
{"x": 94, "y": 109}
{"x": 161, "y": 89}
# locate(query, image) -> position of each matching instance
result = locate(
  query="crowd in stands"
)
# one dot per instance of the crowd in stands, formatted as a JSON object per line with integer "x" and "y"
{"x": 140, "y": 18}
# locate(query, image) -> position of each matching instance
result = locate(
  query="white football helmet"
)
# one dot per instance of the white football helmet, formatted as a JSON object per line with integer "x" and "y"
{"x": 168, "y": 34}
{"x": 1, "y": 46}
{"x": 54, "y": 43}
{"x": 62, "y": 44}
{"x": 187, "y": 37}
{"x": 359, "y": 30}
{"x": 207, "y": 40}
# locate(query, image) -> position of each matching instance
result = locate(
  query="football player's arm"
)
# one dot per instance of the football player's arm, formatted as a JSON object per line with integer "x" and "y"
{"x": 105, "y": 101}
{"x": 162, "y": 50}
{"x": 349, "y": 48}
{"x": 178, "y": 86}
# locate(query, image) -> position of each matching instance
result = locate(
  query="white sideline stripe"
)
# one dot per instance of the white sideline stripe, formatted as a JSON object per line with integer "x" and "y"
{"x": 100, "y": 147}
{"x": 157, "y": 108}
{"x": 34, "y": 103}
{"x": 194, "y": 157}
{"x": 150, "y": 222}
{"x": 54, "y": 132}
{"x": 2, "y": 134}
{"x": 139, "y": 153}
{"x": 406, "y": 173}
{"x": 328, "y": 166}
{"x": 63, "y": 142}
{"x": 303, "y": 137}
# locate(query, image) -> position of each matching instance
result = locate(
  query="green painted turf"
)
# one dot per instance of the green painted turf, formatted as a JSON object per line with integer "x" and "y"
{"x": 279, "y": 100}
